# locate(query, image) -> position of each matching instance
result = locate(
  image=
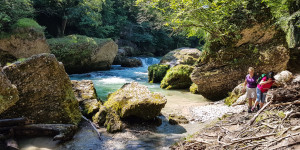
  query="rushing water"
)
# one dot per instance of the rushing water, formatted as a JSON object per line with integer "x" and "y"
{"x": 161, "y": 137}
{"x": 109, "y": 81}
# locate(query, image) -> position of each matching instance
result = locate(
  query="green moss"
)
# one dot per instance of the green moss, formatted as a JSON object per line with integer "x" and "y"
{"x": 260, "y": 117}
{"x": 157, "y": 72}
{"x": 27, "y": 23}
{"x": 194, "y": 88}
{"x": 231, "y": 98}
{"x": 177, "y": 77}
{"x": 281, "y": 114}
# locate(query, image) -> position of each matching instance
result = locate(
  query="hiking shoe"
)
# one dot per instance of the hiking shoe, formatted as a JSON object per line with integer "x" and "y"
{"x": 249, "y": 110}
{"x": 258, "y": 107}
{"x": 252, "y": 109}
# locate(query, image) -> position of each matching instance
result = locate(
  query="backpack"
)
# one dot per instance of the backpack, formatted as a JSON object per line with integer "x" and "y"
{"x": 260, "y": 78}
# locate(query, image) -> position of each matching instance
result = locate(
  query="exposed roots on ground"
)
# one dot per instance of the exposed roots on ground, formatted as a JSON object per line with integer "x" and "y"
{"x": 275, "y": 126}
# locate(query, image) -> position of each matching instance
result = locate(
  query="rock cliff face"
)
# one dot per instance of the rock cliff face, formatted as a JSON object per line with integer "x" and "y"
{"x": 218, "y": 74}
{"x": 45, "y": 91}
{"x": 81, "y": 54}
{"x": 24, "y": 43}
{"x": 8, "y": 93}
{"x": 183, "y": 56}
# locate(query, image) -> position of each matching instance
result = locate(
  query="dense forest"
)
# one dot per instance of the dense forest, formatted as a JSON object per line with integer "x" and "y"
{"x": 124, "y": 21}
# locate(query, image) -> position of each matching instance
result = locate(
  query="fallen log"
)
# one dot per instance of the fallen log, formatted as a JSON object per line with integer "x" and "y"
{"x": 287, "y": 103}
{"x": 261, "y": 110}
{"x": 61, "y": 132}
{"x": 15, "y": 122}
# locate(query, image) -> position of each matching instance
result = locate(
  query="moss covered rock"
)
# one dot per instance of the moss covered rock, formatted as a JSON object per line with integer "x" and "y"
{"x": 45, "y": 91}
{"x": 135, "y": 100}
{"x": 194, "y": 89}
{"x": 81, "y": 54}
{"x": 100, "y": 117}
{"x": 113, "y": 122}
{"x": 184, "y": 56}
{"x": 27, "y": 39}
{"x": 177, "y": 77}
{"x": 157, "y": 72}
{"x": 177, "y": 119}
{"x": 84, "y": 90}
{"x": 8, "y": 93}
{"x": 131, "y": 62}
{"x": 85, "y": 94}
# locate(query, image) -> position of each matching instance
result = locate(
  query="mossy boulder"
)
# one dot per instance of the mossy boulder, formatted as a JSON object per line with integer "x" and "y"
{"x": 131, "y": 62}
{"x": 84, "y": 90}
{"x": 81, "y": 54}
{"x": 157, "y": 72}
{"x": 27, "y": 39}
{"x": 85, "y": 94}
{"x": 236, "y": 93}
{"x": 194, "y": 89}
{"x": 100, "y": 117}
{"x": 177, "y": 77}
{"x": 262, "y": 47}
{"x": 113, "y": 122}
{"x": 8, "y": 93}
{"x": 135, "y": 100}
{"x": 184, "y": 56}
{"x": 177, "y": 119}
{"x": 45, "y": 91}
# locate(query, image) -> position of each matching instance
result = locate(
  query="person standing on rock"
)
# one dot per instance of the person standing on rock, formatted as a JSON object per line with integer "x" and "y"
{"x": 262, "y": 89}
{"x": 250, "y": 81}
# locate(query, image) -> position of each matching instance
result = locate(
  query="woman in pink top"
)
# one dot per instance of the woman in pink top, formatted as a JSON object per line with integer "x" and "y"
{"x": 262, "y": 88}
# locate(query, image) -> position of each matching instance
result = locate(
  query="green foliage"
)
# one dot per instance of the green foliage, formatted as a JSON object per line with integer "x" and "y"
{"x": 28, "y": 23}
{"x": 231, "y": 98}
{"x": 194, "y": 89}
{"x": 13, "y": 10}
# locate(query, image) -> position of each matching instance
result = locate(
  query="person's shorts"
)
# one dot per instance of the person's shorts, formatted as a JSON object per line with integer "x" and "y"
{"x": 250, "y": 92}
{"x": 261, "y": 97}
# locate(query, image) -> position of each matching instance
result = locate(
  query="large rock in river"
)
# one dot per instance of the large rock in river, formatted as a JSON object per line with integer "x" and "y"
{"x": 177, "y": 77}
{"x": 81, "y": 54}
{"x": 135, "y": 100}
{"x": 262, "y": 47}
{"x": 45, "y": 91}
{"x": 184, "y": 56}
{"x": 8, "y": 93}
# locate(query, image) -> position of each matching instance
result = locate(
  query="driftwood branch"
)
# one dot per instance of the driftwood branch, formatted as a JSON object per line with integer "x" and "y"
{"x": 14, "y": 122}
{"x": 256, "y": 115}
{"x": 93, "y": 126}
{"x": 249, "y": 138}
{"x": 287, "y": 103}
{"x": 282, "y": 139}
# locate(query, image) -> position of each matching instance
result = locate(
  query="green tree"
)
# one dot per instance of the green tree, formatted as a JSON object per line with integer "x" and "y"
{"x": 13, "y": 10}
{"x": 82, "y": 13}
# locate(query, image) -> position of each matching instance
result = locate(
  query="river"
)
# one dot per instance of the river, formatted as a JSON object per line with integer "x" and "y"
{"x": 138, "y": 136}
